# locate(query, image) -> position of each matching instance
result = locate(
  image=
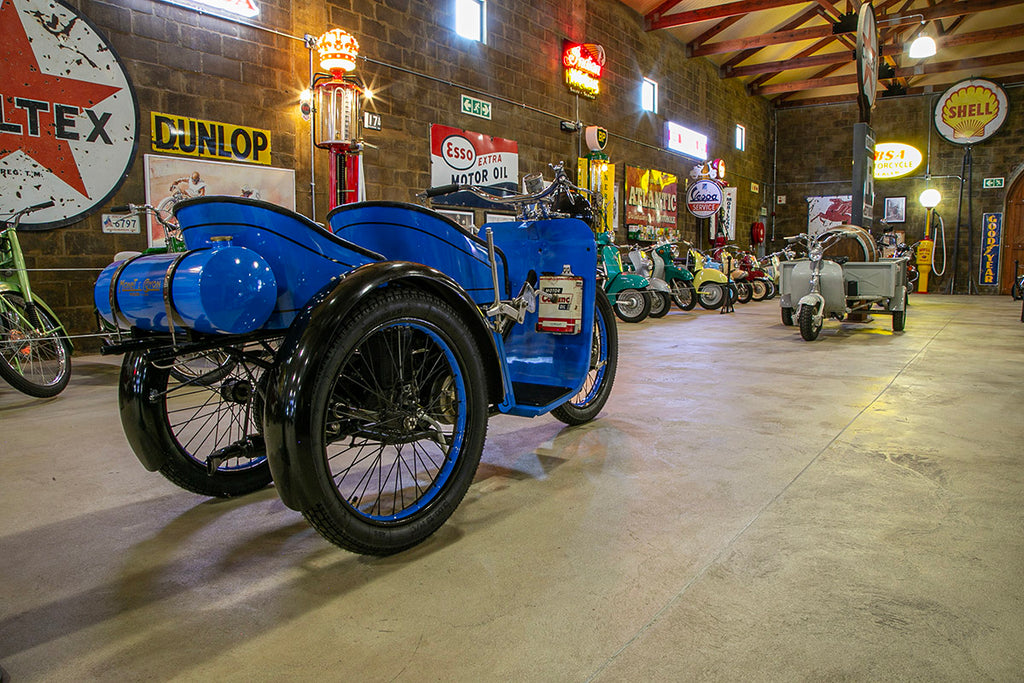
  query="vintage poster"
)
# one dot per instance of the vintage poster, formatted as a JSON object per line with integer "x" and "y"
{"x": 170, "y": 180}
{"x": 825, "y": 212}
{"x": 651, "y": 206}
{"x": 991, "y": 239}
{"x": 461, "y": 157}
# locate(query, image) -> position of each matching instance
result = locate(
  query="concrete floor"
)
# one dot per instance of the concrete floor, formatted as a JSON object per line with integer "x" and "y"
{"x": 749, "y": 506}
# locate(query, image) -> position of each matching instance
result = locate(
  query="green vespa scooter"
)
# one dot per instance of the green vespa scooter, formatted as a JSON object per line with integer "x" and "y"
{"x": 679, "y": 279}
{"x": 627, "y": 292}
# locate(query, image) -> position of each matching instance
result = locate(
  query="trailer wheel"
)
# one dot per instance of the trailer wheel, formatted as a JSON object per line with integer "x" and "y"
{"x": 899, "y": 318}
{"x": 787, "y": 316}
{"x": 399, "y": 415}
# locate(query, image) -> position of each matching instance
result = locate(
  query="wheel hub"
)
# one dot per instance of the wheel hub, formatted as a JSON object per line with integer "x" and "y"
{"x": 237, "y": 391}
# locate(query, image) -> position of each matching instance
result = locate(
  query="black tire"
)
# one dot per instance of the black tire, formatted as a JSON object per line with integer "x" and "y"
{"x": 711, "y": 295}
{"x": 397, "y": 425}
{"x": 632, "y": 305}
{"x": 1017, "y": 290}
{"x": 758, "y": 290}
{"x": 787, "y": 316}
{"x": 772, "y": 290}
{"x": 204, "y": 368}
{"x": 191, "y": 420}
{"x": 604, "y": 360}
{"x": 744, "y": 292}
{"x": 661, "y": 304}
{"x": 808, "y": 330}
{"x": 899, "y": 318}
{"x": 35, "y": 356}
{"x": 683, "y": 294}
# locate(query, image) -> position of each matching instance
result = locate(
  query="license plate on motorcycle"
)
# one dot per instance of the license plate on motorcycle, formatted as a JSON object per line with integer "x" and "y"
{"x": 560, "y": 304}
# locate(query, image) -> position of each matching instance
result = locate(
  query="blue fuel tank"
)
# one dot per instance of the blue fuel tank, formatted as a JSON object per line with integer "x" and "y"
{"x": 220, "y": 290}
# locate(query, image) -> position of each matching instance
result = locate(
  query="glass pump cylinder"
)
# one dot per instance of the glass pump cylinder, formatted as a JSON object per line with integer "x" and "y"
{"x": 337, "y": 106}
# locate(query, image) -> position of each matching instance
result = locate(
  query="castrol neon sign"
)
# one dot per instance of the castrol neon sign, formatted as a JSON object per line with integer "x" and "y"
{"x": 584, "y": 64}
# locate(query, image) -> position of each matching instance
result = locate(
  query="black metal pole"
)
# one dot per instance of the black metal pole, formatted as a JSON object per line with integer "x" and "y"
{"x": 971, "y": 282}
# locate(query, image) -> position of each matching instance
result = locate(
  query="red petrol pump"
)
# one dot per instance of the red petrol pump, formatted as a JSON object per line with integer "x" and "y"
{"x": 338, "y": 113}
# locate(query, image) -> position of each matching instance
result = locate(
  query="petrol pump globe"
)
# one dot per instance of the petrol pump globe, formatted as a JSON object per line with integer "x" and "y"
{"x": 338, "y": 112}
{"x": 338, "y": 50}
{"x": 930, "y": 198}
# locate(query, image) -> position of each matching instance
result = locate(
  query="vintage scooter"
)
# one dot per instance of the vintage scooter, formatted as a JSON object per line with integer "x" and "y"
{"x": 712, "y": 285}
{"x": 679, "y": 279}
{"x": 660, "y": 293}
{"x": 627, "y": 292}
{"x": 365, "y": 359}
{"x": 819, "y": 287}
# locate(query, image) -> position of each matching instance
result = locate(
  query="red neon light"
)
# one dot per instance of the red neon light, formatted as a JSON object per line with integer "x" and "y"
{"x": 580, "y": 58}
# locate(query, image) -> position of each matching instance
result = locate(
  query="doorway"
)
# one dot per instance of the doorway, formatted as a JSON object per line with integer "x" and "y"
{"x": 1013, "y": 240}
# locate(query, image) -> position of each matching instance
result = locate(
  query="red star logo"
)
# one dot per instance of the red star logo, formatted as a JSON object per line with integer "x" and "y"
{"x": 23, "y": 79}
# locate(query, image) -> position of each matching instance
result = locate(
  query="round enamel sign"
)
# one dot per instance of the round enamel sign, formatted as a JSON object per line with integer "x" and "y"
{"x": 704, "y": 198}
{"x": 68, "y": 114}
{"x": 971, "y": 111}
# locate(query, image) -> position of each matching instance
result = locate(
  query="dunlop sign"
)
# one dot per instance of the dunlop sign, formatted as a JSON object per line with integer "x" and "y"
{"x": 210, "y": 139}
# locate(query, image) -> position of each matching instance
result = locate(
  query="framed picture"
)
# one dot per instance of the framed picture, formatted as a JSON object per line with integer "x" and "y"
{"x": 498, "y": 217}
{"x": 895, "y": 210}
{"x": 464, "y": 218}
{"x": 172, "y": 179}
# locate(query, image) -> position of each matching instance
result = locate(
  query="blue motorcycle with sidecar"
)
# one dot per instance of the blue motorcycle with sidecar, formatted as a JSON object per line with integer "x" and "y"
{"x": 356, "y": 367}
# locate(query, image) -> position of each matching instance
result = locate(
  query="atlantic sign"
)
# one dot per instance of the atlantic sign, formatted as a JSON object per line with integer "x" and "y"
{"x": 68, "y": 115}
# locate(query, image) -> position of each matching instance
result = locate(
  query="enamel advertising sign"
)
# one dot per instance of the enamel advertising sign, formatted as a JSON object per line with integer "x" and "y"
{"x": 895, "y": 159}
{"x": 651, "y": 204}
{"x": 461, "y": 157}
{"x": 68, "y": 114}
{"x": 970, "y": 111}
{"x": 704, "y": 198}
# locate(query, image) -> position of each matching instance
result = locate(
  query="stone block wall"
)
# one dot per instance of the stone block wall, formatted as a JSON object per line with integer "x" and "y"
{"x": 188, "y": 63}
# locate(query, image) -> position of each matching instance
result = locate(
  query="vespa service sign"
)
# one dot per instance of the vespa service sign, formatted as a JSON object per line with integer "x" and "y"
{"x": 68, "y": 114}
{"x": 971, "y": 111}
{"x": 462, "y": 157}
{"x": 704, "y": 198}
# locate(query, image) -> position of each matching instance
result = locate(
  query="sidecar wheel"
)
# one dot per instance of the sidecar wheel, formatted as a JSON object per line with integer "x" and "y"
{"x": 604, "y": 360}
{"x": 661, "y": 302}
{"x": 899, "y": 318}
{"x": 711, "y": 296}
{"x": 808, "y": 329}
{"x": 632, "y": 305}
{"x": 683, "y": 294}
{"x": 399, "y": 416}
{"x": 187, "y": 421}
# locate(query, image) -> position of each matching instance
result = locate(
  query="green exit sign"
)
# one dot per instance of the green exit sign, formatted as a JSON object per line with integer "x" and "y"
{"x": 989, "y": 183}
{"x": 475, "y": 107}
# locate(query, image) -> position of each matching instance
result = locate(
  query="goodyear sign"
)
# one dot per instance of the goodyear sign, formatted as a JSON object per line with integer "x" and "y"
{"x": 210, "y": 139}
{"x": 991, "y": 237}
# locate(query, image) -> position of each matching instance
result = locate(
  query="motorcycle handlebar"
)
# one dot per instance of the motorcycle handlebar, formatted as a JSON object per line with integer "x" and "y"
{"x": 121, "y": 208}
{"x": 440, "y": 190}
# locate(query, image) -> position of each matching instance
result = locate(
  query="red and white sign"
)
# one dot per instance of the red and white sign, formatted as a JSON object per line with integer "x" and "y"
{"x": 462, "y": 157}
{"x": 68, "y": 115}
{"x": 704, "y": 198}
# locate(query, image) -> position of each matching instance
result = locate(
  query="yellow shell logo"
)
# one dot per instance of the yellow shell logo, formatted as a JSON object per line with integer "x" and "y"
{"x": 969, "y": 110}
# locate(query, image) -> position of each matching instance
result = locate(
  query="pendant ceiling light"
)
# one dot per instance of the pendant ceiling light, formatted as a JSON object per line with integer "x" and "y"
{"x": 923, "y": 46}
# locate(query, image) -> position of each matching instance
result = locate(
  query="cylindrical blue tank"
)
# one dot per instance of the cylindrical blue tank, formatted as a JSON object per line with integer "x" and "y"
{"x": 224, "y": 290}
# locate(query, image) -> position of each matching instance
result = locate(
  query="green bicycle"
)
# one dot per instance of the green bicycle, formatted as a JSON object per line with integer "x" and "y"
{"x": 35, "y": 352}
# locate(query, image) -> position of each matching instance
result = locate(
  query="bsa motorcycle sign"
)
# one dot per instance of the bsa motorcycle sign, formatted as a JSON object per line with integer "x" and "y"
{"x": 68, "y": 114}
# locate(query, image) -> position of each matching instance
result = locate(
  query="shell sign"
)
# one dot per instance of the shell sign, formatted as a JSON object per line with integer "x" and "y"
{"x": 970, "y": 111}
{"x": 894, "y": 160}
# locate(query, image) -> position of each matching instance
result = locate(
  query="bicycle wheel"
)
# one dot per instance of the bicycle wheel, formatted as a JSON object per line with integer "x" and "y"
{"x": 188, "y": 421}
{"x": 397, "y": 426}
{"x": 35, "y": 356}
{"x": 604, "y": 359}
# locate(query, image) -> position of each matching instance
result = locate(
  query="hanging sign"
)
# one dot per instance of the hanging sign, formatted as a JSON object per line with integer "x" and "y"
{"x": 991, "y": 238}
{"x": 894, "y": 159}
{"x": 651, "y": 204}
{"x": 462, "y": 157}
{"x": 209, "y": 139}
{"x": 867, "y": 60}
{"x": 971, "y": 111}
{"x": 68, "y": 114}
{"x": 584, "y": 64}
{"x": 704, "y": 198}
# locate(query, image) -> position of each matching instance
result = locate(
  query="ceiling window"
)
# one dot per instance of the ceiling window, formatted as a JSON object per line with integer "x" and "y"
{"x": 741, "y": 137}
{"x": 470, "y": 19}
{"x": 649, "y": 96}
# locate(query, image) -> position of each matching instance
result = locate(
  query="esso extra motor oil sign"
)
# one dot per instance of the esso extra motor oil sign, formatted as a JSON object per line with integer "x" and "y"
{"x": 462, "y": 157}
{"x": 68, "y": 114}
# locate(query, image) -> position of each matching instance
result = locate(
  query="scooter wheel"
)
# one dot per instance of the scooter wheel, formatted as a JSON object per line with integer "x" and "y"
{"x": 711, "y": 296}
{"x": 759, "y": 290}
{"x": 744, "y": 292}
{"x": 632, "y": 305}
{"x": 661, "y": 302}
{"x": 787, "y": 316}
{"x": 808, "y": 328}
{"x": 683, "y": 294}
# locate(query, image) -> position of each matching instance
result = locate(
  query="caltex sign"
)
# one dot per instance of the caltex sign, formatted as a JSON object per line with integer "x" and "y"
{"x": 68, "y": 115}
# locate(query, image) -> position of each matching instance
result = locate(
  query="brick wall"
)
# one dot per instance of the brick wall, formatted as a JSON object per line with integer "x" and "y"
{"x": 188, "y": 64}
{"x": 815, "y": 156}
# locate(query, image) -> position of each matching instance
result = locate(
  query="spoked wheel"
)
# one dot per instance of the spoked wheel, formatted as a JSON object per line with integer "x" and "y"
{"x": 632, "y": 305}
{"x": 661, "y": 302}
{"x": 759, "y": 290}
{"x": 604, "y": 359}
{"x": 204, "y": 368}
{"x": 744, "y": 292}
{"x": 398, "y": 419}
{"x": 683, "y": 294}
{"x": 809, "y": 329}
{"x": 711, "y": 295}
{"x": 208, "y": 432}
{"x": 35, "y": 356}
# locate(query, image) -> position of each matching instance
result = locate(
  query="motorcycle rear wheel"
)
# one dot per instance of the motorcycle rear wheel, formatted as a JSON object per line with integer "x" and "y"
{"x": 604, "y": 360}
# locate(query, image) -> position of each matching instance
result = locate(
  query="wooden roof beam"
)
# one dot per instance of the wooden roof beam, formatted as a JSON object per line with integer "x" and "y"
{"x": 654, "y": 22}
